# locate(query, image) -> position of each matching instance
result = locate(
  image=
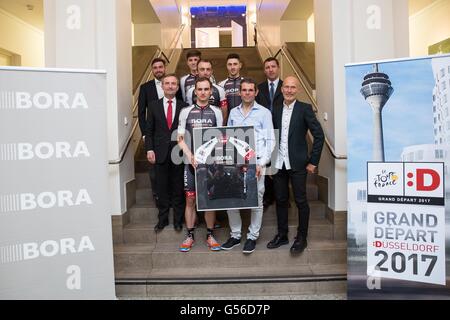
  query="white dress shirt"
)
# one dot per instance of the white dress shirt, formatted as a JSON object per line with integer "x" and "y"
{"x": 159, "y": 88}
{"x": 283, "y": 150}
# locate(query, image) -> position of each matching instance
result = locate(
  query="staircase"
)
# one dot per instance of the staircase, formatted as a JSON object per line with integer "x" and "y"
{"x": 148, "y": 264}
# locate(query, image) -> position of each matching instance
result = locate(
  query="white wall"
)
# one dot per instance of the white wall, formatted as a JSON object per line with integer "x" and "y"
{"x": 237, "y": 34}
{"x": 22, "y": 39}
{"x": 207, "y": 37}
{"x": 429, "y": 26}
{"x": 147, "y": 34}
{"x": 110, "y": 27}
{"x": 311, "y": 29}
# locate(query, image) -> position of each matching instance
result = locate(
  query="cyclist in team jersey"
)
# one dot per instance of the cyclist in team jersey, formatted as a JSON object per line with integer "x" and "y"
{"x": 188, "y": 81}
{"x": 217, "y": 97}
{"x": 198, "y": 115}
{"x": 232, "y": 83}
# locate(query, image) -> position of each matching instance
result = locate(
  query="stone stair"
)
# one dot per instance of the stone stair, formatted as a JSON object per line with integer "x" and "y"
{"x": 148, "y": 264}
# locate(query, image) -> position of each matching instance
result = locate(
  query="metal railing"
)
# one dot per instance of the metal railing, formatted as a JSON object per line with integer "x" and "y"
{"x": 145, "y": 78}
{"x": 310, "y": 97}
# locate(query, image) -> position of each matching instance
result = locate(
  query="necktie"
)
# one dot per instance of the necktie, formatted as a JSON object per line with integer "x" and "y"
{"x": 169, "y": 115}
{"x": 272, "y": 93}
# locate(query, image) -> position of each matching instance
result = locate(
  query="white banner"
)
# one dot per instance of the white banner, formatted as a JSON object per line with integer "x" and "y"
{"x": 55, "y": 230}
{"x": 406, "y": 242}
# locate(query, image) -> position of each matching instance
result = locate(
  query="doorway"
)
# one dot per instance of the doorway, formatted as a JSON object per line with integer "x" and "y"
{"x": 229, "y": 21}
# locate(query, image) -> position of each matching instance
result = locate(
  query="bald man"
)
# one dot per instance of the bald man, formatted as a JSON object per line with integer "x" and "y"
{"x": 293, "y": 120}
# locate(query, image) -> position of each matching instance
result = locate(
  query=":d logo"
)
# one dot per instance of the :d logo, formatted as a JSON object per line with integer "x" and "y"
{"x": 434, "y": 180}
{"x": 424, "y": 179}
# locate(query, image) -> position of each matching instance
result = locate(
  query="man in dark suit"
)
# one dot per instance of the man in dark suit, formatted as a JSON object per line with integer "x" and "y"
{"x": 162, "y": 125}
{"x": 270, "y": 97}
{"x": 269, "y": 94}
{"x": 293, "y": 120}
{"x": 149, "y": 92}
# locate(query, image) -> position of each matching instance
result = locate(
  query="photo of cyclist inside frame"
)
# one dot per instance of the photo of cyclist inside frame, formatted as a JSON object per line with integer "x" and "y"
{"x": 226, "y": 172}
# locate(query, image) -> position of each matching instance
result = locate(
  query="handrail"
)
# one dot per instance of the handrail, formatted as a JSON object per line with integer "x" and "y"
{"x": 175, "y": 41}
{"x": 261, "y": 35}
{"x": 158, "y": 54}
{"x": 311, "y": 98}
{"x": 135, "y": 105}
{"x": 314, "y": 103}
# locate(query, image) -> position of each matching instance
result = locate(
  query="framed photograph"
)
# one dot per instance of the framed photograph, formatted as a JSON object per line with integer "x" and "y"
{"x": 226, "y": 173}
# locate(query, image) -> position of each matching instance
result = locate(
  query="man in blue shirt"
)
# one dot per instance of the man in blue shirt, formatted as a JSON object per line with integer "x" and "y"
{"x": 250, "y": 113}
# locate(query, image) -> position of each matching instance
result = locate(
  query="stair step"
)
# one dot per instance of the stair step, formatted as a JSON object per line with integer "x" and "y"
{"x": 162, "y": 255}
{"x": 319, "y": 286}
{"x": 250, "y": 281}
{"x": 144, "y": 233}
{"x": 148, "y": 213}
{"x": 222, "y": 273}
{"x": 136, "y": 256}
{"x": 145, "y": 197}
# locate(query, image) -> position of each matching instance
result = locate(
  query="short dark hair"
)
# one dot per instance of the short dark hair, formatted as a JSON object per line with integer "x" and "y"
{"x": 170, "y": 75}
{"x": 158, "y": 60}
{"x": 201, "y": 79}
{"x": 272, "y": 59}
{"x": 193, "y": 53}
{"x": 233, "y": 56}
{"x": 204, "y": 60}
{"x": 248, "y": 80}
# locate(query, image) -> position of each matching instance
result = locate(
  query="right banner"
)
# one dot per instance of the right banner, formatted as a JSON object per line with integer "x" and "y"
{"x": 398, "y": 199}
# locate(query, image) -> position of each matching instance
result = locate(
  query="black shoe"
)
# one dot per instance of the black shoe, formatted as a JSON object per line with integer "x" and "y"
{"x": 160, "y": 226}
{"x": 249, "y": 246}
{"x": 278, "y": 241}
{"x": 299, "y": 245}
{"x": 178, "y": 227}
{"x": 231, "y": 243}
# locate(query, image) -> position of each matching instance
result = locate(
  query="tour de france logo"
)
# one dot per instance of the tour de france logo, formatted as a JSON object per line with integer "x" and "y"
{"x": 385, "y": 178}
{"x": 406, "y": 182}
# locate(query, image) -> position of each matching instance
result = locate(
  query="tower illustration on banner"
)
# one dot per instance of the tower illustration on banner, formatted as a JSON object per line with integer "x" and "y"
{"x": 377, "y": 89}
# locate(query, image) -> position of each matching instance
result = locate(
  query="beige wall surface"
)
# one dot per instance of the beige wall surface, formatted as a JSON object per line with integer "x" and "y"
{"x": 22, "y": 39}
{"x": 429, "y": 26}
{"x": 5, "y": 60}
{"x": 294, "y": 31}
{"x": 147, "y": 34}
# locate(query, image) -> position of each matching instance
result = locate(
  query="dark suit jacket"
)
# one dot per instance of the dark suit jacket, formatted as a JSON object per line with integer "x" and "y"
{"x": 263, "y": 97}
{"x": 147, "y": 95}
{"x": 158, "y": 136}
{"x": 302, "y": 120}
